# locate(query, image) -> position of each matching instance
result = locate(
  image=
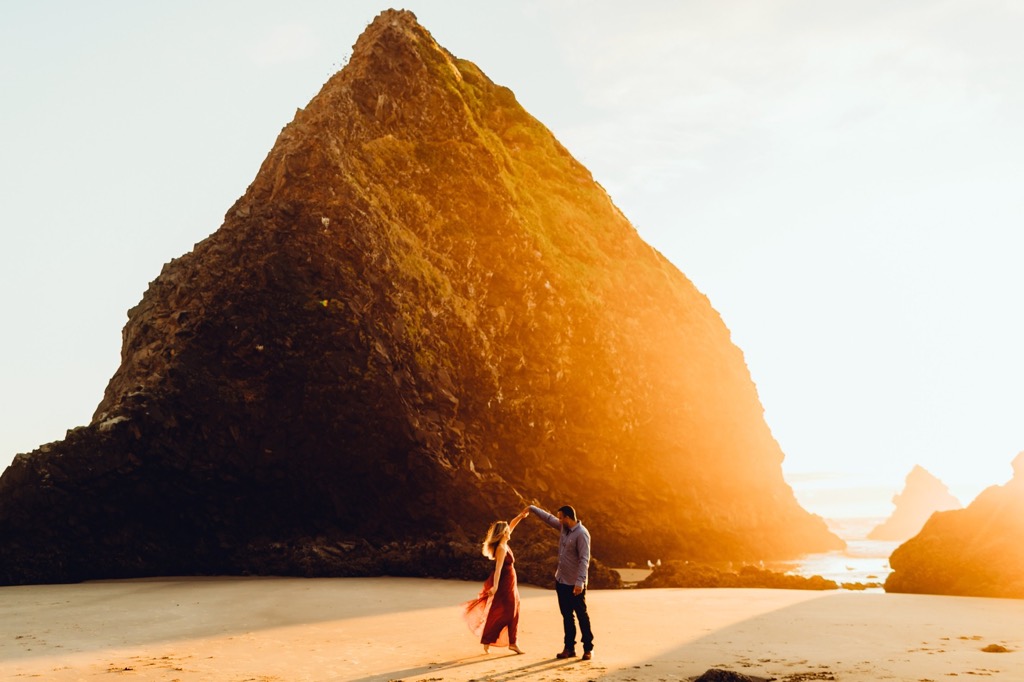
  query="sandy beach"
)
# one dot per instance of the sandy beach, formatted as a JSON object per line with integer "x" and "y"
{"x": 270, "y": 629}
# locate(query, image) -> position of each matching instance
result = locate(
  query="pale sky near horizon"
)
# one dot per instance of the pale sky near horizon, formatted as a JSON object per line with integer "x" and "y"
{"x": 842, "y": 179}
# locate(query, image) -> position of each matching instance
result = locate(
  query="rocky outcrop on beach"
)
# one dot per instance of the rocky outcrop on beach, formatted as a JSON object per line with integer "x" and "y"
{"x": 722, "y": 675}
{"x": 423, "y": 314}
{"x": 923, "y": 494}
{"x": 690, "y": 574}
{"x": 975, "y": 551}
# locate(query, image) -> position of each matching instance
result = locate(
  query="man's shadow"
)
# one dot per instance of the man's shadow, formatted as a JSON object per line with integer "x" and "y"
{"x": 505, "y": 676}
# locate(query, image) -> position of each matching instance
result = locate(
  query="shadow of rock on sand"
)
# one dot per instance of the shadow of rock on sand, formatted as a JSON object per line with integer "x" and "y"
{"x": 331, "y": 627}
{"x": 849, "y": 636}
{"x": 145, "y": 611}
{"x": 528, "y": 671}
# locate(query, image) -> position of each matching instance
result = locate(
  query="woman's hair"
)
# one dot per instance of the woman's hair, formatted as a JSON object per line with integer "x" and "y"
{"x": 498, "y": 532}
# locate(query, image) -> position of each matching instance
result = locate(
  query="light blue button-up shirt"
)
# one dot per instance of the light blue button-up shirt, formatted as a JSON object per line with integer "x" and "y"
{"x": 573, "y": 549}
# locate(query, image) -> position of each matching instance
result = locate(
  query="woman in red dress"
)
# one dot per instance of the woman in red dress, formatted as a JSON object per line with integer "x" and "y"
{"x": 494, "y": 614}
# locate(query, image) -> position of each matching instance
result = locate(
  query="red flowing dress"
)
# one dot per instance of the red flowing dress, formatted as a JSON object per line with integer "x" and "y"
{"x": 496, "y": 619}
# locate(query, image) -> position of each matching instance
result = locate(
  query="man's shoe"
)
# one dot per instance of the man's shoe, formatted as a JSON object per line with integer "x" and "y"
{"x": 586, "y": 656}
{"x": 566, "y": 653}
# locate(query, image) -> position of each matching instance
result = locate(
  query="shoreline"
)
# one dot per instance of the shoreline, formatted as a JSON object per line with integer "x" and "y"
{"x": 380, "y": 629}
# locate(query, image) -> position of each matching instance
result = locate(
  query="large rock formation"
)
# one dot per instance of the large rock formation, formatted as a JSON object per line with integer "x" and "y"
{"x": 976, "y": 551}
{"x": 423, "y": 313}
{"x": 922, "y": 496}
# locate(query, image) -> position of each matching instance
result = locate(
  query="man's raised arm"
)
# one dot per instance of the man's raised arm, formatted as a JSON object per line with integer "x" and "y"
{"x": 547, "y": 518}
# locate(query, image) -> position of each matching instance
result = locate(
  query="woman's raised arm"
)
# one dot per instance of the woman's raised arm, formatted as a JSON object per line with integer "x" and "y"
{"x": 515, "y": 522}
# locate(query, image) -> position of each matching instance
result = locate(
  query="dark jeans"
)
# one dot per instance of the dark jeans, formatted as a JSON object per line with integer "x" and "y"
{"x": 571, "y": 604}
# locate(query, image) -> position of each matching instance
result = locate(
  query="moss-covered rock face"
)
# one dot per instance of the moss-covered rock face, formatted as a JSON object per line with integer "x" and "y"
{"x": 977, "y": 551}
{"x": 422, "y": 314}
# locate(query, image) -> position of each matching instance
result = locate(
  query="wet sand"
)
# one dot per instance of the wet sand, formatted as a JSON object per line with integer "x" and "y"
{"x": 284, "y": 629}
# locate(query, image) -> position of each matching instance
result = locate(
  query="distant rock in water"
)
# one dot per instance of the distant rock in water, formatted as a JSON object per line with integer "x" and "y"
{"x": 423, "y": 314}
{"x": 976, "y": 551}
{"x": 923, "y": 494}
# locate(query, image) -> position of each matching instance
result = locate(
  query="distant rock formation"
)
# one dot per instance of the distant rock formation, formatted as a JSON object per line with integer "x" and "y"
{"x": 976, "y": 551}
{"x": 689, "y": 574}
{"x": 423, "y": 314}
{"x": 923, "y": 494}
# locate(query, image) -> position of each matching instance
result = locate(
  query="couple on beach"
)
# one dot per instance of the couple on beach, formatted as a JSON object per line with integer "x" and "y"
{"x": 495, "y": 613}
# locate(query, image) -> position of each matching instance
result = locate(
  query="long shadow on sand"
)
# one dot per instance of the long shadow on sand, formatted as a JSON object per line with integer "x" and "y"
{"x": 522, "y": 672}
{"x": 142, "y": 611}
{"x": 839, "y": 636}
{"x": 863, "y": 636}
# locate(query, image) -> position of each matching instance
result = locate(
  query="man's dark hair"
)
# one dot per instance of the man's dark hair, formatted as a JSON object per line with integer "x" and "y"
{"x": 568, "y": 511}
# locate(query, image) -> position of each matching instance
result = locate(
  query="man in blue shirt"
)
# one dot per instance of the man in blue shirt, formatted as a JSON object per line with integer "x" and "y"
{"x": 571, "y": 577}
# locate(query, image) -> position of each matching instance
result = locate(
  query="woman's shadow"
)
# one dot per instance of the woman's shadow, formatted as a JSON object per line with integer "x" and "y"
{"x": 506, "y": 676}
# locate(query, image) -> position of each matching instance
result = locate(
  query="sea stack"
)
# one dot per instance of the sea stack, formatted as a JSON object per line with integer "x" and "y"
{"x": 422, "y": 314}
{"x": 923, "y": 495}
{"x": 975, "y": 551}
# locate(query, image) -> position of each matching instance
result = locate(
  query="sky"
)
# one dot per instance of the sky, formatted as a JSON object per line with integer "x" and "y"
{"x": 842, "y": 179}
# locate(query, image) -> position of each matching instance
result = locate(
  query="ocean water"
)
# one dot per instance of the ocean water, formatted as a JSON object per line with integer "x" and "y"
{"x": 863, "y": 560}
